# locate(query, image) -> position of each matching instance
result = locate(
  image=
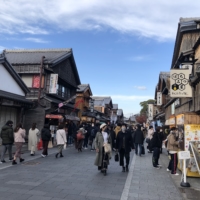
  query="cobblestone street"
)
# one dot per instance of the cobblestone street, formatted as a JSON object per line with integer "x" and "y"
{"x": 75, "y": 177}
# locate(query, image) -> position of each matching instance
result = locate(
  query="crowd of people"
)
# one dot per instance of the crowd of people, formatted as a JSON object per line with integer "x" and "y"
{"x": 102, "y": 138}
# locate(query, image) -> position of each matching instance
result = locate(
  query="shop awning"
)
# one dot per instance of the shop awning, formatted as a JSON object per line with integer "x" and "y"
{"x": 50, "y": 116}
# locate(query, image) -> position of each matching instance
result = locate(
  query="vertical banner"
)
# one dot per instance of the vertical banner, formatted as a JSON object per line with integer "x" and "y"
{"x": 150, "y": 111}
{"x": 179, "y": 83}
{"x": 159, "y": 98}
{"x": 53, "y": 83}
{"x": 36, "y": 81}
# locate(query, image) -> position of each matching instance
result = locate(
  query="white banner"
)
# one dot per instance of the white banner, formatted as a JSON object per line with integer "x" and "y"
{"x": 150, "y": 111}
{"x": 179, "y": 83}
{"x": 159, "y": 98}
{"x": 53, "y": 83}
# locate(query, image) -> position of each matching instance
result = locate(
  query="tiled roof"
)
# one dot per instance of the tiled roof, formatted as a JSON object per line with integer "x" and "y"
{"x": 83, "y": 88}
{"x": 33, "y": 56}
{"x": 99, "y": 98}
{"x": 115, "y": 106}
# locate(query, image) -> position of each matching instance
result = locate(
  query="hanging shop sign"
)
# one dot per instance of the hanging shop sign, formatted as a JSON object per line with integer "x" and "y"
{"x": 179, "y": 83}
{"x": 159, "y": 98}
{"x": 180, "y": 119}
{"x": 150, "y": 111}
{"x": 172, "y": 121}
{"x": 53, "y": 83}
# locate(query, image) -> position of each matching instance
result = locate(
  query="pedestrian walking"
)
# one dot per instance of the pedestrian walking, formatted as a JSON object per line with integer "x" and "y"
{"x": 149, "y": 137}
{"x": 7, "y": 137}
{"x": 124, "y": 144}
{"x": 33, "y": 139}
{"x": 172, "y": 147}
{"x": 19, "y": 138}
{"x": 138, "y": 140}
{"x": 46, "y": 137}
{"x": 61, "y": 140}
{"x": 156, "y": 144}
{"x": 101, "y": 141}
{"x": 80, "y": 136}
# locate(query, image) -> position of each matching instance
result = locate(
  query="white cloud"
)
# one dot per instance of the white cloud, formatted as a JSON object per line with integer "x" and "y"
{"x": 157, "y": 19}
{"x": 36, "y": 40}
{"x": 140, "y": 87}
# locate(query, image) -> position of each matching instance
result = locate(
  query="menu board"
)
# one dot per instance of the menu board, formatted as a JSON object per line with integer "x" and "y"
{"x": 192, "y": 133}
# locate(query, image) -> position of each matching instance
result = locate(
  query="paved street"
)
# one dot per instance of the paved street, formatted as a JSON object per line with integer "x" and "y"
{"x": 75, "y": 177}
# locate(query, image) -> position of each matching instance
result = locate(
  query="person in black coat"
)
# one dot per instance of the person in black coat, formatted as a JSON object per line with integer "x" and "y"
{"x": 124, "y": 144}
{"x": 156, "y": 143}
{"x": 46, "y": 137}
{"x": 138, "y": 140}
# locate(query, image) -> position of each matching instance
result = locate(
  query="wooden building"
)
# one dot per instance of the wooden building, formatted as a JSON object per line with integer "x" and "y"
{"x": 13, "y": 103}
{"x": 83, "y": 100}
{"x": 52, "y": 78}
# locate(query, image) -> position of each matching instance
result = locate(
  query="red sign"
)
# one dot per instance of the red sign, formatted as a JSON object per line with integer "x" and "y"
{"x": 36, "y": 81}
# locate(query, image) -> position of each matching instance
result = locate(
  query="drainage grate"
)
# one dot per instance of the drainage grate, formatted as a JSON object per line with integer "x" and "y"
{"x": 31, "y": 163}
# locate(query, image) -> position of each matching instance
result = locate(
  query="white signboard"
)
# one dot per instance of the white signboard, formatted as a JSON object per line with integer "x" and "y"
{"x": 150, "y": 111}
{"x": 172, "y": 121}
{"x": 183, "y": 155}
{"x": 159, "y": 98}
{"x": 53, "y": 83}
{"x": 179, "y": 83}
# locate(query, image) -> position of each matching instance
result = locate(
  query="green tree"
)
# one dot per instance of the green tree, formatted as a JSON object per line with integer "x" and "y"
{"x": 144, "y": 105}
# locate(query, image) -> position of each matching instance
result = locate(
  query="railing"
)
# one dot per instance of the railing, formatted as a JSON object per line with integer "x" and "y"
{"x": 27, "y": 69}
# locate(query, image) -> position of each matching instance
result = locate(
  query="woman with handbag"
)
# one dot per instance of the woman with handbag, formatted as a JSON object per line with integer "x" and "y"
{"x": 103, "y": 149}
{"x": 61, "y": 140}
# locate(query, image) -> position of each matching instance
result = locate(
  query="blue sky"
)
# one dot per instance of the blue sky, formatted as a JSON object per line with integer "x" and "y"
{"x": 119, "y": 47}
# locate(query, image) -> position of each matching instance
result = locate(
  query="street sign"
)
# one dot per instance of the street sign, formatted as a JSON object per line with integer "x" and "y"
{"x": 183, "y": 155}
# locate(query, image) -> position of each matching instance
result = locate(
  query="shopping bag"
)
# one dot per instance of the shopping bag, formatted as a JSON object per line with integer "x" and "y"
{"x": 143, "y": 150}
{"x": 39, "y": 145}
{"x": 116, "y": 157}
{"x": 107, "y": 148}
{"x": 65, "y": 146}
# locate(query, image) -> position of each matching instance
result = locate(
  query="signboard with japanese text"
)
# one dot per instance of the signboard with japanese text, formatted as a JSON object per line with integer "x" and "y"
{"x": 150, "y": 111}
{"x": 159, "y": 98}
{"x": 179, "y": 83}
{"x": 53, "y": 83}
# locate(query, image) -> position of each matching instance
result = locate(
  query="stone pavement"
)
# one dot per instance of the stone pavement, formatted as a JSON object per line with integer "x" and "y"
{"x": 74, "y": 177}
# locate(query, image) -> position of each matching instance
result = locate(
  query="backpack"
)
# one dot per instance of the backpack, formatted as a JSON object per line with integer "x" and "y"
{"x": 80, "y": 136}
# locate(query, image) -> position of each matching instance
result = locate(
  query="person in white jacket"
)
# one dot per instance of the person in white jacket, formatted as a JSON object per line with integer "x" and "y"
{"x": 61, "y": 139}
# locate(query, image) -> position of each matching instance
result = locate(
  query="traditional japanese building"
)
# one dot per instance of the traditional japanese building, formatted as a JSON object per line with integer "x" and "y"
{"x": 13, "y": 104}
{"x": 52, "y": 78}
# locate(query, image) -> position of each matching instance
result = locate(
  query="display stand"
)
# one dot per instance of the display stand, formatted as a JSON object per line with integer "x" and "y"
{"x": 184, "y": 155}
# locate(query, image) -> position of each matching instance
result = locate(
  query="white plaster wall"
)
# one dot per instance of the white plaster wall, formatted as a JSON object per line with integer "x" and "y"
{"x": 8, "y": 84}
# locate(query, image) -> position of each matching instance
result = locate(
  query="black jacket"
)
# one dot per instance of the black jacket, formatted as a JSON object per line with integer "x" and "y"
{"x": 45, "y": 134}
{"x": 128, "y": 141}
{"x": 138, "y": 137}
{"x": 156, "y": 140}
{"x": 7, "y": 135}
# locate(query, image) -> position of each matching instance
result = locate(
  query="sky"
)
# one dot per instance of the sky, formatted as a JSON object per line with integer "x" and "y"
{"x": 119, "y": 47}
